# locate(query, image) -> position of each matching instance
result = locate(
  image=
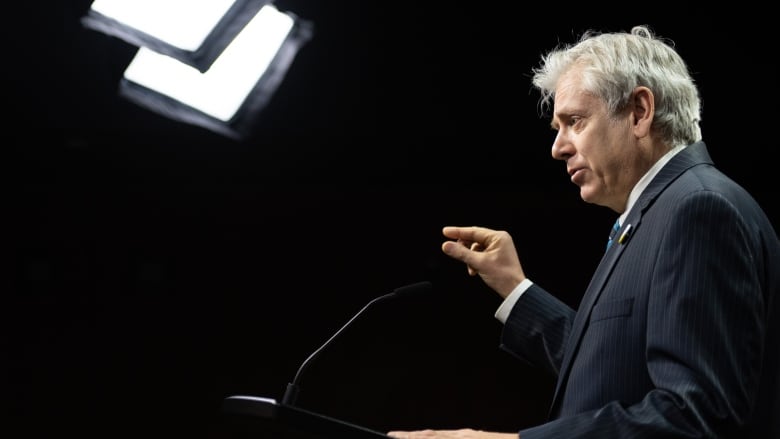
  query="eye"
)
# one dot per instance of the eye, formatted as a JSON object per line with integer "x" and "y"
{"x": 565, "y": 122}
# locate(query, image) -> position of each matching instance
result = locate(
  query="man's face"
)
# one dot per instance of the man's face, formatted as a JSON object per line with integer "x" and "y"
{"x": 600, "y": 151}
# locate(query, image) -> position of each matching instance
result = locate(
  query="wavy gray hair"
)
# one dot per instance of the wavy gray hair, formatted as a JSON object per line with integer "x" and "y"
{"x": 615, "y": 64}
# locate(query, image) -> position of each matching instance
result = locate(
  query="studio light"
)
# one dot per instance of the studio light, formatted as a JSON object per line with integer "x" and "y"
{"x": 216, "y": 68}
{"x": 194, "y": 32}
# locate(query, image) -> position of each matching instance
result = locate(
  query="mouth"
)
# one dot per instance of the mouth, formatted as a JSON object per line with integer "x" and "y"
{"x": 575, "y": 174}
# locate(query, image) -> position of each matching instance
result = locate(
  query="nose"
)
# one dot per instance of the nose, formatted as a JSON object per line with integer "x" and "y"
{"x": 562, "y": 148}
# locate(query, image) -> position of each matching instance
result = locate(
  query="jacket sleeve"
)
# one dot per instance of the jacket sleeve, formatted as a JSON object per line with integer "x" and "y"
{"x": 537, "y": 329}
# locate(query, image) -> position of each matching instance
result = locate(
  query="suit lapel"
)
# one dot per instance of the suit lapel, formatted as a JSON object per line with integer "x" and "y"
{"x": 690, "y": 156}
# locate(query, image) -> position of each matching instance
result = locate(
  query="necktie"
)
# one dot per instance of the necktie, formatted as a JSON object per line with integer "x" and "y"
{"x": 615, "y": 228}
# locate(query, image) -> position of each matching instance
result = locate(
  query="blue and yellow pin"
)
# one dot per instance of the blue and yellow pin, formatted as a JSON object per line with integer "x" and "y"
{"x": 625, "y": 235}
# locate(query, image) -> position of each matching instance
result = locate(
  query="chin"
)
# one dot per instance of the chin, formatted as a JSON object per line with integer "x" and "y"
{"x": 590, "y": 197}
{"x": 586, "y": 195}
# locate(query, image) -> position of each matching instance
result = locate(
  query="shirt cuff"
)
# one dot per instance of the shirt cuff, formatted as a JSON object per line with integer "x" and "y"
{"x": 506, "y": 306}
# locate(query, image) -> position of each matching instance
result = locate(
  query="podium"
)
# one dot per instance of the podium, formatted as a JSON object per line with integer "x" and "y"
{"x": 256, "y": 417}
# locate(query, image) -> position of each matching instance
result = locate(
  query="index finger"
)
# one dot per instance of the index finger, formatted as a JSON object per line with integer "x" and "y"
{"x": 471, "y": 234}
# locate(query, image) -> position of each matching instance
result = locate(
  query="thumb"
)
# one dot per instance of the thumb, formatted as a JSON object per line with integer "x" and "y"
{"x": 453, "y": 250}
{"x": 461, "y": 253}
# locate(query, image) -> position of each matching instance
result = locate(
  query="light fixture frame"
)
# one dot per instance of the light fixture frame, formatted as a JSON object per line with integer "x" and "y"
{"x": 236, "y": 17}
{"x": 239, "y": 14}
{"x": 239, "y": 126}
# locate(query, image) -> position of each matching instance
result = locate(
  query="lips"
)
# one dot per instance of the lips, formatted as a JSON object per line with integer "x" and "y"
{"x": 575, "y": 174}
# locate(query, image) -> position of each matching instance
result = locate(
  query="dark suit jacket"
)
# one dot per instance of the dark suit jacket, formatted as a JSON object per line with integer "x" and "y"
{"x": 677, "y": 333}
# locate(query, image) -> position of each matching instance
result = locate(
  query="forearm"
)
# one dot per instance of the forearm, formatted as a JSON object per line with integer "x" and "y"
{"x": 537, "y": 329}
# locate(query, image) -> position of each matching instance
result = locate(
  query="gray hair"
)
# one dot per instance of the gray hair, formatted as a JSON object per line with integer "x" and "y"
{"x": 614, "y": 64}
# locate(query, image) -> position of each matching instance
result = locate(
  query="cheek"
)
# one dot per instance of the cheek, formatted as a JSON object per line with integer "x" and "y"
{"x": 605, "y": 156}
{"x": 595, "y": 159}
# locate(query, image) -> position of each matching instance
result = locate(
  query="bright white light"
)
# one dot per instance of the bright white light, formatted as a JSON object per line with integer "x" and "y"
{"x": 181, "y": 23}
{"x": 221, "y": 89}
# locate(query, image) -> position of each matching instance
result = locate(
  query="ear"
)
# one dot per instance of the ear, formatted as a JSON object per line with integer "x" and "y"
{"x": 643, "y": 110}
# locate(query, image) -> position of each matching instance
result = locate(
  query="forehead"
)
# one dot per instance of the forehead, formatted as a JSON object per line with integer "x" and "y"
{"x": 571, "y": 97}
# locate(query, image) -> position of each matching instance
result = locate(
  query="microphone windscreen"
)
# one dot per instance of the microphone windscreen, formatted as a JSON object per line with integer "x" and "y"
{"x": 412, "y": 289}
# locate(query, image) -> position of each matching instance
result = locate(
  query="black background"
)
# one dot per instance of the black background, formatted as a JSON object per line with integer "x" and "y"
{"x": 157, "y": 267}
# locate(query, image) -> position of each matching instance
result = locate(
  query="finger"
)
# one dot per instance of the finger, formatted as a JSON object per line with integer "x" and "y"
{"x": 461, "y": 253}
{"x": 465, "y": 243}
{"x": 455, "y": 250}
{"x": 413, "y": 434}
{"x": 472, "y": 233}
{"x": 475, "y": 247}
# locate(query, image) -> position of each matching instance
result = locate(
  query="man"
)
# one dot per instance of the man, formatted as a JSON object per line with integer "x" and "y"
{"x": 677, "y": 335}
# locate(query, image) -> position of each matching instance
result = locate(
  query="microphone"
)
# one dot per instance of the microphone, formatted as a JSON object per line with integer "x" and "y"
{"x": 291, "y": 393}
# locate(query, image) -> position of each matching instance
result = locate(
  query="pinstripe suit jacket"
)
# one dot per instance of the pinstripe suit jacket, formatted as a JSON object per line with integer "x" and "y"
{"x": 677, "y": 333}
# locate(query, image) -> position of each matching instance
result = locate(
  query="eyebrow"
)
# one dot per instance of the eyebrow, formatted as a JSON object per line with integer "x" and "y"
{"x": 558, "y": 115}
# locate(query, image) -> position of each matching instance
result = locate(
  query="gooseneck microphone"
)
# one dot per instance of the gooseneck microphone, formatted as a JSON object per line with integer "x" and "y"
{"x": 291, "y": 393}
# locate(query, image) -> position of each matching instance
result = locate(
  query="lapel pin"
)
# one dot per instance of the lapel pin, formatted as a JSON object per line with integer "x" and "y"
{"x": 625, "y": 235}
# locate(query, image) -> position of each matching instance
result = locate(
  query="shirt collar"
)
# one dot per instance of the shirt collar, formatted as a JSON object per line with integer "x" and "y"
{"x": 641, "y": 185}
